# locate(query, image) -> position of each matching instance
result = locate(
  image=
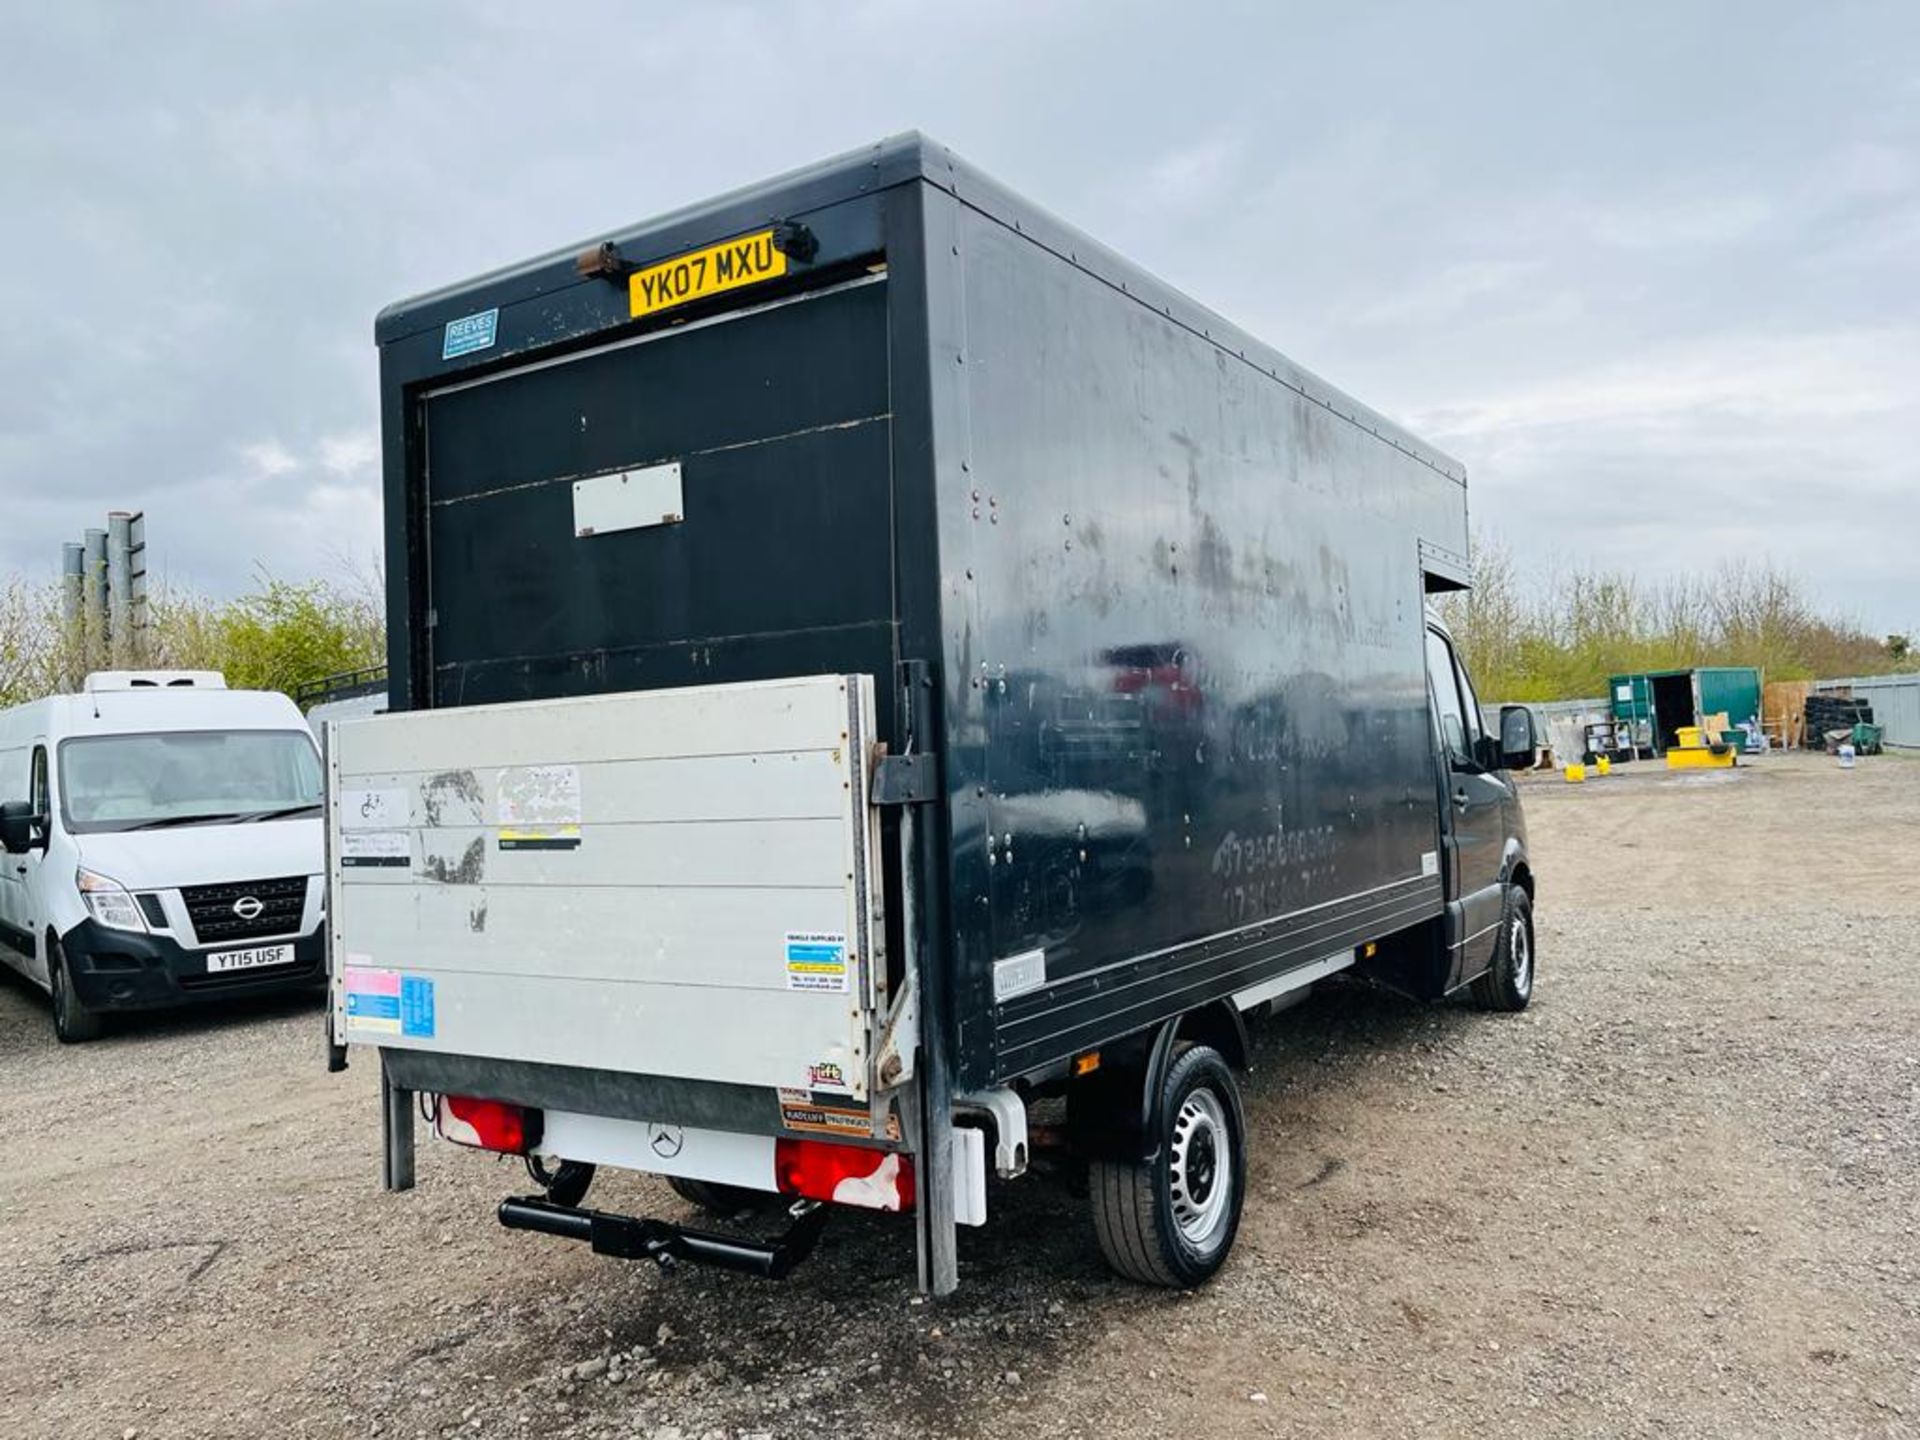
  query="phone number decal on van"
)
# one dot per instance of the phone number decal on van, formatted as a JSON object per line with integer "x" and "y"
{"x": 747, "y": 260}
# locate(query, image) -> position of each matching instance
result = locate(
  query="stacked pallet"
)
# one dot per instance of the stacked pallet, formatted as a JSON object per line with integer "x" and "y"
{"x": 1834, "y": 714}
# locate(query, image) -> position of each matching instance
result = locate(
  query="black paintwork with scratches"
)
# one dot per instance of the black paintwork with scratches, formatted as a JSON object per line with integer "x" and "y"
{"x": 1167, "y": 583}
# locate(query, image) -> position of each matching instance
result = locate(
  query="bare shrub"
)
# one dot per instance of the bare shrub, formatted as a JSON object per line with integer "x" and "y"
{"x": 1562, "y": 637}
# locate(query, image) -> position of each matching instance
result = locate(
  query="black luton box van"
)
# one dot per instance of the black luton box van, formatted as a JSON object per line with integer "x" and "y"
{"x": 1089, "y": 636}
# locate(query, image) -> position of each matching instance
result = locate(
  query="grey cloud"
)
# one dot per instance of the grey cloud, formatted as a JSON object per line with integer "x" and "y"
{"x": 1604, "y": 254}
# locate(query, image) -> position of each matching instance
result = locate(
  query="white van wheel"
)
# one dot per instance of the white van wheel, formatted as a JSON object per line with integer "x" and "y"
{"x": 73, "y": 1022}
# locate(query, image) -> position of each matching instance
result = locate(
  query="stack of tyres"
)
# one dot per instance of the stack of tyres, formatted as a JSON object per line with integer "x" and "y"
{"x": 1829, "y": 713}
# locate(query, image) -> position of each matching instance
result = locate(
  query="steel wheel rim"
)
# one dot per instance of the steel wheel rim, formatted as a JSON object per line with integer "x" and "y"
{"x": 1201, "y": 1171}
{"x": 1520, "y": 947}
{"x": 57, "y": 979}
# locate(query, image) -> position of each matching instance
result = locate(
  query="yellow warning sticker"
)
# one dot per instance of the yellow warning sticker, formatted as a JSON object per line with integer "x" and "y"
{"x": 727, "y": 266}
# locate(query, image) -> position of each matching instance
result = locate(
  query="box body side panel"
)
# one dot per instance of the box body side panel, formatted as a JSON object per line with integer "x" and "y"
{"x": 1188, "y": 735}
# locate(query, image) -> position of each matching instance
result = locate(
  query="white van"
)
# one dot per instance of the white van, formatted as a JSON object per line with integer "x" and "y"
{"x": 163, "y": 845}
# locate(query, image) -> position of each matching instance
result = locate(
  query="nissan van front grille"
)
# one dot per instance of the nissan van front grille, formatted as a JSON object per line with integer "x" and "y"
{"x": 246, "y": 909}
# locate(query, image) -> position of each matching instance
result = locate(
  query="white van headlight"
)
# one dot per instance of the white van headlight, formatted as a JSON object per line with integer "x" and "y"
{"x": 109, "y": 901}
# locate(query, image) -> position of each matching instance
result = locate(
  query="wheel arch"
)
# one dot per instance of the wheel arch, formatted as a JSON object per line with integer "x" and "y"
{"x": 1515, "y": 868}
{"x": 1114, "y": 1115}
{"x": 1220, "y": 1025}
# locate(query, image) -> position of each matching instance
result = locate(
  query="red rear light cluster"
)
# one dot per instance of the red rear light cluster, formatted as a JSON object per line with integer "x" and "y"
{"x": 843, "y": 1174}
{"x": 487, "y": 1124}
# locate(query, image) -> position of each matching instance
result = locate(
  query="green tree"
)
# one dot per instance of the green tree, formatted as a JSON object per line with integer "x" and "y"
{"x": 278, "y": 636}
{"x": 283, "y": 635}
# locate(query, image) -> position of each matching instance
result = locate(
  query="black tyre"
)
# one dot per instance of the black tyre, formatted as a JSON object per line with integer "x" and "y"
{"x": 1171, "y": 1220}
{"x": 720, "y": 1199}
{"x": 73, "y": 1022}
{"x": 566, "y": 1183}
{"x": 1508, "y": 983}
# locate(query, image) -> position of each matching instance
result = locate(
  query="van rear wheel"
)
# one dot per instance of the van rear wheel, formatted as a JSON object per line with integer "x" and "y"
{"x": 73, "y": 1022}
{"x": 1171, "y": 1220}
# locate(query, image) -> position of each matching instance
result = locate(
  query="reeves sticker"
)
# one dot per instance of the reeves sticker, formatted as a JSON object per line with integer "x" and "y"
{"x": 470, "y": 333}
{"x": 816, "y": 960}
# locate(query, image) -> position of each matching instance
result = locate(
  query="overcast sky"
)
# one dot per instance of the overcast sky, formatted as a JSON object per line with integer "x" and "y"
{"x": 1649, "y": 270}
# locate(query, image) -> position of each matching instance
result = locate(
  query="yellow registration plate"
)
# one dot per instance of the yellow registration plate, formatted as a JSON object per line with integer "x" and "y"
{"x": 746, "y": 260}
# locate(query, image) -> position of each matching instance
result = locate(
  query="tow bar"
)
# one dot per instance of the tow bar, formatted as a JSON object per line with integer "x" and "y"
{"x": 628, "y": 1237}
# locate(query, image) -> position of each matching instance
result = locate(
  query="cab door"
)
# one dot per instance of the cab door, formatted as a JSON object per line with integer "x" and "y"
{"x": 21, "y": 912}
{"x": 1473, "y": 823}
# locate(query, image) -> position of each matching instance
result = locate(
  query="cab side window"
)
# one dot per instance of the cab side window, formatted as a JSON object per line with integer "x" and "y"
{"x": 1446, "y": 698}
{"x": 1474, "y": 727}
{"x": 37, "y": 791}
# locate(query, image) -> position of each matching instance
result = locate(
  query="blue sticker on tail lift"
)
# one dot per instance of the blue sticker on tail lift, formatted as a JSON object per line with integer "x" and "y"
{"x": 416, "y": 1006}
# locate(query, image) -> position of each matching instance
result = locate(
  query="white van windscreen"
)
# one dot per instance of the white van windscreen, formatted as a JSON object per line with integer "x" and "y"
{"x": 197, "y": 777}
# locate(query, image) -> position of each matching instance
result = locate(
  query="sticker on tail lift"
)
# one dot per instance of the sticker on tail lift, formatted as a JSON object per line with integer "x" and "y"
{"x": 538, "y": 807}
{"x": 389, "y": 1003}
{"x": 373, "y": 999}
{"x": 816, "y": 960}
{"x": 362, "y": 848}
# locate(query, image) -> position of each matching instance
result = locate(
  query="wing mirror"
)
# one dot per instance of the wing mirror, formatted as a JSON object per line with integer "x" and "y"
{"x": 1519, "y": 743}
{"x": 20, "y": 828}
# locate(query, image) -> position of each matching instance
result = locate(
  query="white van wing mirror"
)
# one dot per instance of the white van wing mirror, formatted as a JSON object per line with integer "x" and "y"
{"x": 17, "y": 826}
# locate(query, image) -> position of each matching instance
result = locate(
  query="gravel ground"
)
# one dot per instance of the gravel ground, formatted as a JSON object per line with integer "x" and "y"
{"x": 1679, "y": 1196}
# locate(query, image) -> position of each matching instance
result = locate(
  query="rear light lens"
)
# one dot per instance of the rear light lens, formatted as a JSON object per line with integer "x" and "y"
{"x": 843, "y": 1174}
{"x": 486, "y": 1124}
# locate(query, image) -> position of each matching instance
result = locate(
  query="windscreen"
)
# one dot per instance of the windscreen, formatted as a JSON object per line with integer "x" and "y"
{"x": 147, "y": 782}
